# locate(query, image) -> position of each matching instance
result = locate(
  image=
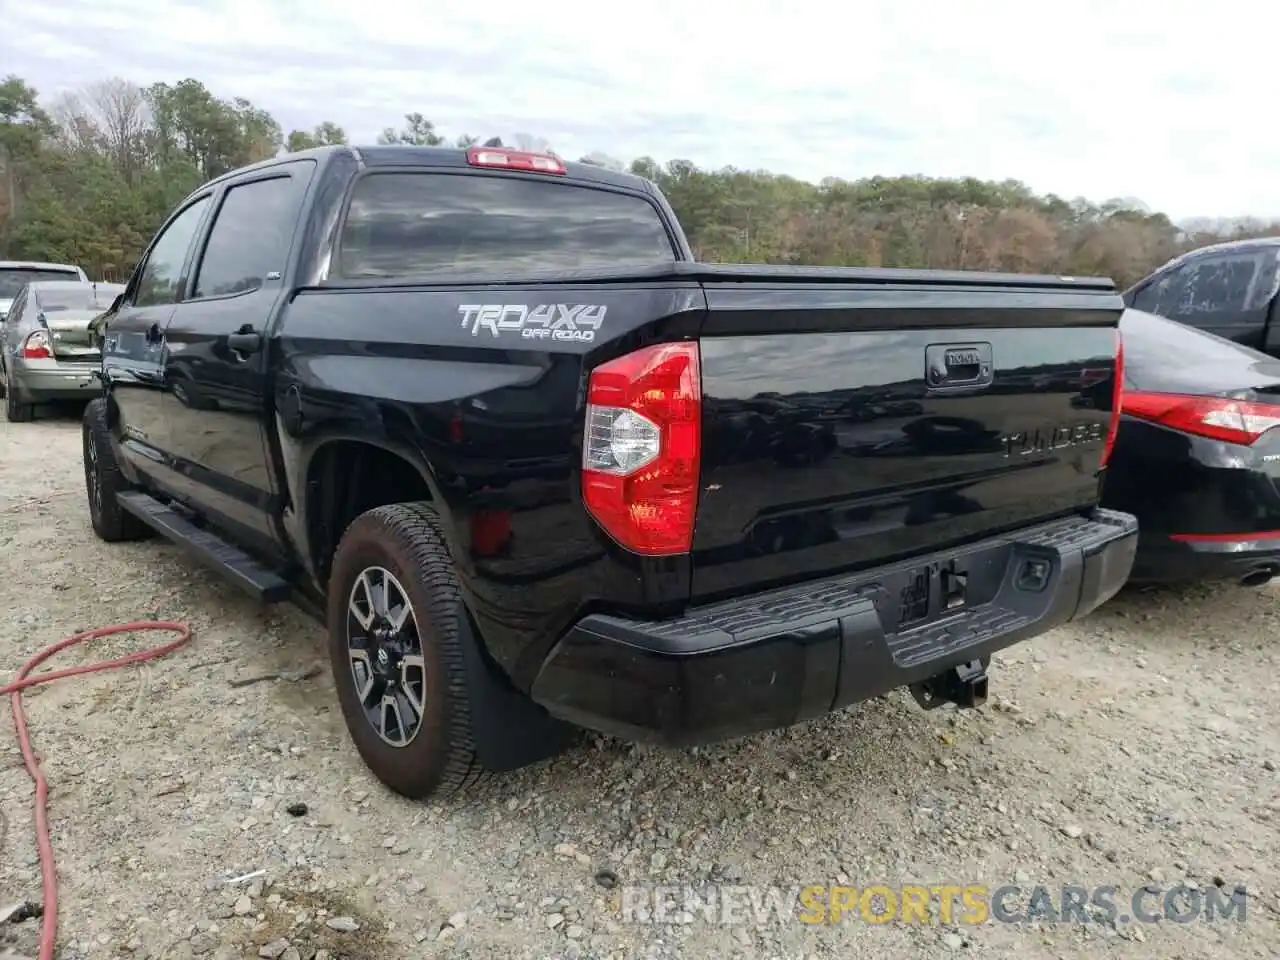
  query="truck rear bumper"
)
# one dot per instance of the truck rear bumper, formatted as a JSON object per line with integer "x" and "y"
{"x": 788, "y": 655}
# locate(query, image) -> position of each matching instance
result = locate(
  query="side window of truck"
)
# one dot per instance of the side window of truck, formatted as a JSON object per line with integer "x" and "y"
{"x": 251, "y": 234}
{"x": 161, "y": 276}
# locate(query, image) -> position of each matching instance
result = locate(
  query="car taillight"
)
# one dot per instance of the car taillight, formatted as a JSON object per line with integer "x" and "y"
{"x": 504, "y": 159}
{"x": 641, "y": 447}
{"x": 1117, "y": 400}
{"x": 1218, "y": 418}
{"x": 36, "y": 346}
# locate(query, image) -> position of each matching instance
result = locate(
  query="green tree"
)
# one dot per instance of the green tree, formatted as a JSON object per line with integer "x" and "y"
{"x": 323, "y": 135}
{"x": 214, "y": 135}
{"x": 417, "y": 131}
{"x": 90, "y": 176}
{"x": 24, "y": 125}
{"x": 23, "y": 122}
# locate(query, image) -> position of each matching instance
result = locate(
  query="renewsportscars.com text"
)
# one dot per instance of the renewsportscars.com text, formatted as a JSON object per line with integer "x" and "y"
{"x": 967, "y": 904}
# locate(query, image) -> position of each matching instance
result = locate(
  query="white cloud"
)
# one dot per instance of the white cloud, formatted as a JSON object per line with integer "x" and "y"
{"x": 1167, "y": 102}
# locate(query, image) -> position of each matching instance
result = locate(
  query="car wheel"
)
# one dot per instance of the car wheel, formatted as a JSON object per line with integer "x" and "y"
{"x": 396, "y": 628}
{"x": 18, "y": 412}
{"x": 103, "y": 480}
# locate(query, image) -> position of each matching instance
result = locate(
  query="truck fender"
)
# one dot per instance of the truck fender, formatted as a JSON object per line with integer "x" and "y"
{"x": 510, "y": 731}
{"x": 309, "y": 449}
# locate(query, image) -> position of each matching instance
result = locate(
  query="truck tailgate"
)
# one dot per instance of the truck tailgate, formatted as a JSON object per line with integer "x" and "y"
{"x": 850, "y": 423}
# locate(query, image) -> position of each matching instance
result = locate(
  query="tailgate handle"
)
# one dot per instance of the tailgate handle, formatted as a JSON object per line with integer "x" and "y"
{"x": 952, "y": 365}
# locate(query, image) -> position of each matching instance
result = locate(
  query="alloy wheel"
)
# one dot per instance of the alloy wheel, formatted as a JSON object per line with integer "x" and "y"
{"x": 91, "y": 473}
{"x": 385, "y": 651}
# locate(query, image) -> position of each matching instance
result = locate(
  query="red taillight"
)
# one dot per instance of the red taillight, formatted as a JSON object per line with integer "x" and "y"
{"x": 1117, "y": 400}
{"x": 504, "y": 159}
{"x": 1218, "y": 418}
{"x": 36, "y": 346}
{"x": 641, "y": 447}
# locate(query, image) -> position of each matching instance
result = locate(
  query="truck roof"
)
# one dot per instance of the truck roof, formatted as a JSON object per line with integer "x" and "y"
{"x": 407, "y": 155}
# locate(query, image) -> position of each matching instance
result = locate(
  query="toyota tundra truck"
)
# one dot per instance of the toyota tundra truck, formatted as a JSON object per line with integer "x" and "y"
{"x": 537, "y": 470}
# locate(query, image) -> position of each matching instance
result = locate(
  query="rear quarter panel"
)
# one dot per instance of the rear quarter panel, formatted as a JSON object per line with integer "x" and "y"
{"x": 490, "y": 410}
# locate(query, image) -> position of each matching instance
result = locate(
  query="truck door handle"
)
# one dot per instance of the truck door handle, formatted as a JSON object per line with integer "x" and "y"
{"x": 153, "y": 333}
{"x": 245, "y": 340}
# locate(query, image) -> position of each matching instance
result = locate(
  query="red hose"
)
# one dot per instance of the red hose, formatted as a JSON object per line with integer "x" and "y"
{"x": 48, "y": 874}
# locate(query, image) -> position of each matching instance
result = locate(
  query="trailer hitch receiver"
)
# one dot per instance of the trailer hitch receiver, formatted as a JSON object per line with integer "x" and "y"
{"x": 964, "y": 685}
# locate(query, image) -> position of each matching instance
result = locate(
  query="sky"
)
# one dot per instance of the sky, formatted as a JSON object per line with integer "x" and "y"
{"x": 1167, "y": 102}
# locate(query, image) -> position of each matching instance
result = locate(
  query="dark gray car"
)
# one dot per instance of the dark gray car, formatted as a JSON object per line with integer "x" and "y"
{"x": 45, "y": 348}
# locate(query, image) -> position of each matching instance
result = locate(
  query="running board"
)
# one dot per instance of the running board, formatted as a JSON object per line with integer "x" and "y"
{"x": 238, "y": 567}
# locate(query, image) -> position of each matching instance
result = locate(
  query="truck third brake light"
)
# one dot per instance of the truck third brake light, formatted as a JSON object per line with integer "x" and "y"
{"x": 504, "y": 159}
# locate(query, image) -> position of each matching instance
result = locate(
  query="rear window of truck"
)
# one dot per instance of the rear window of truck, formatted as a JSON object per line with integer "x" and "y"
{"x": 425, "y": 224}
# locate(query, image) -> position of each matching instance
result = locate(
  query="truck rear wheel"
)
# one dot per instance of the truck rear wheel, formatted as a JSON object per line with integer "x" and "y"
{"x": 103, "y": 480}
{"x": 395, "y": 646}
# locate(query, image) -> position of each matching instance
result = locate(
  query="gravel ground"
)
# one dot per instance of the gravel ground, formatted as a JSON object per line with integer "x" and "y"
{"x": 1137, "y": 747}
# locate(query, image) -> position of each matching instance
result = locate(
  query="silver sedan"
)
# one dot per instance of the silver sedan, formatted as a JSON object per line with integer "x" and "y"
{"x": 45, "y": 348}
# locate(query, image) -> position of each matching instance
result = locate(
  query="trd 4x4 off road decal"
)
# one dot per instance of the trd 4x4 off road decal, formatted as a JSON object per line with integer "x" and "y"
{"x": 548, "y": 321}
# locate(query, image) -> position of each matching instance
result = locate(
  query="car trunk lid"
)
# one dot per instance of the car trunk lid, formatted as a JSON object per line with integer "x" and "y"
{"x": 69, "y": 331}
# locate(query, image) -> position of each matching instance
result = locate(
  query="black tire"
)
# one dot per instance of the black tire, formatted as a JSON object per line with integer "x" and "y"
{"x": 103, "y": 480}
{"x": 406, "y": 541}
{"x": 16, "y": 411}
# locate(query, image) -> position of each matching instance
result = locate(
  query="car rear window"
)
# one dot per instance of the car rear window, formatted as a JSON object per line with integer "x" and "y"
{"x": 13, "y": 279}
{"x": 426, "y": 224}
{"x": 1154, "y": 345}
{"x": 86, "y": 296}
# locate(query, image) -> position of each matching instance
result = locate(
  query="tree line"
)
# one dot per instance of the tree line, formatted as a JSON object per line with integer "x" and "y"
{"x": 87, "y": 178}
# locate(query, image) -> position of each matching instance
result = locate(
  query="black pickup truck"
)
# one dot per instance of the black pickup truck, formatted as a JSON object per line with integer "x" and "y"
{"x": 537, "y": 470}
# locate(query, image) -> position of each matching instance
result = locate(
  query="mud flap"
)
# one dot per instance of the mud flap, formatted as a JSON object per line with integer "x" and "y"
{"x": 510, "y": 730}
